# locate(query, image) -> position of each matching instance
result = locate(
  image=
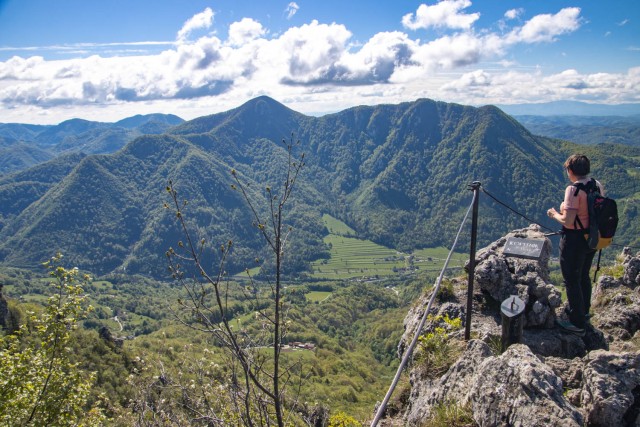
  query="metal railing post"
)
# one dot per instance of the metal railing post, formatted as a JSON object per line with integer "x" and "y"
{"x": 475, "y": 187}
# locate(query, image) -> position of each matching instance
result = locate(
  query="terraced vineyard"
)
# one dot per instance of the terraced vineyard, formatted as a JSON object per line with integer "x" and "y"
{"x": 352, "y": 257}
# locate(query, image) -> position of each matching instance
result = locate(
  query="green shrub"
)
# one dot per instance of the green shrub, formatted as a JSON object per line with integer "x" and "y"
{"x": 450, "y": 414}
{"x": 341, "y": 419}
{"x": 39, "y": 382}
{"x": 438, "y": 350}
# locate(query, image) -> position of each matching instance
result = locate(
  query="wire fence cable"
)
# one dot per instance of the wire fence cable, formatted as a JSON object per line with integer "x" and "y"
{"x": 409, "y": 351}
{"x": 484, "y": 190}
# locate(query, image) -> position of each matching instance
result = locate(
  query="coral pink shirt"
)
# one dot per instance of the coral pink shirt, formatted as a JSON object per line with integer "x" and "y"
{"x": 579, "y": 203}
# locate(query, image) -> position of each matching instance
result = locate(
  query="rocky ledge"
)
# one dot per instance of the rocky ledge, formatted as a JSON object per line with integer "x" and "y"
{"x": 549, "y": 378}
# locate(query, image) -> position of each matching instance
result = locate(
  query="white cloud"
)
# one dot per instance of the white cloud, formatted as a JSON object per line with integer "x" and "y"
{"x": 514, "y": 87}
{"x": 379, "y": 59}
{"x": 244, "y": 31}
{"x": 292, "y": 9}
{"x": 513, "y": 13}
{"x": 199, "y": 21}
{"x": 311, "y": 50}
{"x": 623, "y": 22}
{"x": 546, "y": 27}
{"x": 18, "y": 68}
{"x": 315, "y": 67}
{"x": 445, "y": 14}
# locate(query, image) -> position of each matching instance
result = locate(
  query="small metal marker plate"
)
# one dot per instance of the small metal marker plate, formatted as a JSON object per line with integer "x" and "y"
{"x": 512, "y": 306}
{"x": 523, "y": 248}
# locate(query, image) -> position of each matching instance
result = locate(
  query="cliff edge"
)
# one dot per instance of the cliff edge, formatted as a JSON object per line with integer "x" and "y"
{"x": 549, "y": 378}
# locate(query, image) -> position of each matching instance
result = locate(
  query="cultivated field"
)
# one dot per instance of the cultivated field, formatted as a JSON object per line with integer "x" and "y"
{"x": 352, "y": 257}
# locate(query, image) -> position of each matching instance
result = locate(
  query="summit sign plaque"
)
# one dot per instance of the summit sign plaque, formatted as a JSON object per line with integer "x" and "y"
{"x": 523, "y": 248}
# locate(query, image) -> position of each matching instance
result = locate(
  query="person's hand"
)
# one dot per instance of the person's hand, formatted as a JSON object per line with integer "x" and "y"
{"x": 551, "y": 213}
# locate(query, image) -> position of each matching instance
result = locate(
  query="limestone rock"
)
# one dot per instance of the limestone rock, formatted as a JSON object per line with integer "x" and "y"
{"x": 500, "y": 276}
{"x": 551, "y": 342}
{"x": 452, "y": 309}
{"x": 453, "y": 386}
{"x": 617, "y": 301}
{"x": 517, "y": 388}
{"x": 611, "y": 389}
{"x": 552, "y": 377}
{"x": 631, "y": 275}
{"x": 569, "y": 370}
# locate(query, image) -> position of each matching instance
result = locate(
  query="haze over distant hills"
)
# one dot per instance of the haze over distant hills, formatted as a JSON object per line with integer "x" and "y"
{"x": 397, "y": 174}
{"x": 587, "y": 130}
{"x": 570, "y": 108}
{"x": 23, "y": 145}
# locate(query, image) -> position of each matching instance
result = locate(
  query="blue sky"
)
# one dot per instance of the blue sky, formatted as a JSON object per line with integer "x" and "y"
{"x": 112, "y": 59}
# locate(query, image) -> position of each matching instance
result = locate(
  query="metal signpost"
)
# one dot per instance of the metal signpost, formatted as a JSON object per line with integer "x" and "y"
{"x": 475, "y": 187}
{"x": 523, "y": 248}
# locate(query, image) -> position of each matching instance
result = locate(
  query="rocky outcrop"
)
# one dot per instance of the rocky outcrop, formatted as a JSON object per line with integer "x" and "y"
{"x": 108, "y": 338}
{"x": 610, "y": 394}
{"x": 617, "y": 302}
{"x": 499, "y": 391}
{"x": 552, "y": 378}
{"x": 500, "y": 276}
{"x": 524, "y": 393}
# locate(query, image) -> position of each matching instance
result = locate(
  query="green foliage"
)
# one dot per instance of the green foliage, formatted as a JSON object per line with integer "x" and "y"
{"x": 495, "y": 344}
{"x": 39, "y": 383}
{"x": 446, "y": 291}
{"x": 438, "y": 350}
{"x": 354, "y": 355}
{"x": 21, "y": 156}
{"x": 615, "y": 270}
{"x": 189, "y": 393}
{"x": 141, "y": 304}
{"x": 450, "y": 414}
{"x": 341, "y": 419}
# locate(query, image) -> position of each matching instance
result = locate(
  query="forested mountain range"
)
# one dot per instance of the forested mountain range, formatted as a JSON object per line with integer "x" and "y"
{"x": 586, "y": 129}
{"x": 397, "y": 174}
{"x": 22, "y": 145}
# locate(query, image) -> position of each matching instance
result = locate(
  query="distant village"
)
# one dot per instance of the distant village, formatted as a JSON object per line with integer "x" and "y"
{"x": 295, "y": 345}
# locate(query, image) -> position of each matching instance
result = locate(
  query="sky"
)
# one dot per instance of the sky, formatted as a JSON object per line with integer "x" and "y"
{"x": 111, "y": 59}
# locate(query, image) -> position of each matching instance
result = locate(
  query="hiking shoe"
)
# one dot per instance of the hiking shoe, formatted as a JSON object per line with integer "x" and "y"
{"x": 570, "y": 327}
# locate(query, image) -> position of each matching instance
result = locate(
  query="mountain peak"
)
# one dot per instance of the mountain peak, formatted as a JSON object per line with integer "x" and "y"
{"x": 257, "y": 113}
{"x": 264, "y": 106}
{"x": 140, "y": 120}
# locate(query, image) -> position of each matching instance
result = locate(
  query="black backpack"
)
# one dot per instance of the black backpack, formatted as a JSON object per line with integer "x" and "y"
{"x": 603, "y": 215}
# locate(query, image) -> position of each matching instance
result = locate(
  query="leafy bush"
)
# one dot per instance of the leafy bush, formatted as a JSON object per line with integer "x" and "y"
{"x": 39, "y": 384}
{"x": 438, "y": 349}
{"x": 341, "y": 419}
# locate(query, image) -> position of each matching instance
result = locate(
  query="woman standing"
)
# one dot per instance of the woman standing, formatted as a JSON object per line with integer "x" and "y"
{"x": 575, "y": 255}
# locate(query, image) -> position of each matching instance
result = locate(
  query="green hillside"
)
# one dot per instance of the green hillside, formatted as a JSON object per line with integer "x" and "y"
{"x": 396, "y": 175}
{"x": 354, "y": 327}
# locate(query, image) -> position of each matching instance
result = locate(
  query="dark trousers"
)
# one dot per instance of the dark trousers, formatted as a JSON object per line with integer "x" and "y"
{"x": 575, "y": 262}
